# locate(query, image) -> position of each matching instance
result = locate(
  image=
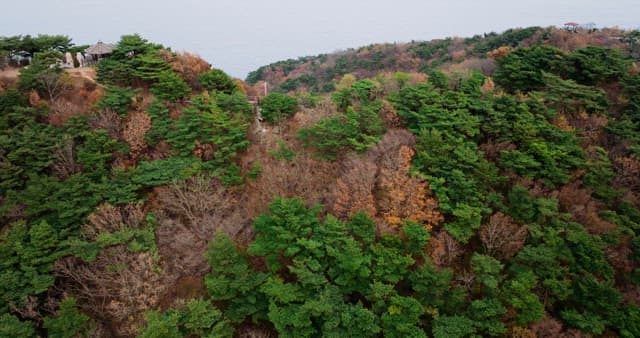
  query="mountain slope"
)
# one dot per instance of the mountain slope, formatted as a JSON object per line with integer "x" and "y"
{"x": 320, "y": 73}
{"x": 155, "y": 200}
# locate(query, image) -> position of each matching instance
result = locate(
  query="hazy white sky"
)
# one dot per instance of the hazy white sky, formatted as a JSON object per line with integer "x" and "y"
{"x": 240, "y": 35}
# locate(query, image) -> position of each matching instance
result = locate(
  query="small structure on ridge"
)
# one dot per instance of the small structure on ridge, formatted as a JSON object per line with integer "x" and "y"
{"x": 98, "y": 52}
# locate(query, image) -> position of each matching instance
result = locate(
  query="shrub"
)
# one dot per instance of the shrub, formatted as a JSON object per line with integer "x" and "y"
{"x": 276, "y": 106}
{"x": 11, "y": 326}
{"x": 234, "y": 103}
{"x": 219, "y": 81}
{"x": 161, "y": 172}
{"x": 170, "y": 87}
{"x": 117, "y": 98}
{"x": 68, "y": 322}
{"x": 594, "y": 65}
{"x": 522, "y": 69}
{"x": 355, "y": 130}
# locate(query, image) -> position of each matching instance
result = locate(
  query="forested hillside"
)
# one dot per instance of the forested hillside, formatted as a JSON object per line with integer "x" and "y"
{"x": 145, "y": 197}
{"x": 453, "y": 54}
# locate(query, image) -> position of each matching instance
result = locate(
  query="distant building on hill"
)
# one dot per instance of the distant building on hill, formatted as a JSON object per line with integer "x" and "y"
{"x": 574, "y": 26}
{"x": 571, "y": 26}
{"x": 20, "y": 58}
{"x": 98, "y": 52}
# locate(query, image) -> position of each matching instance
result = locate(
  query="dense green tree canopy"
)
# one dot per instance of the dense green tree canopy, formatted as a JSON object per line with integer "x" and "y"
{"x": 522, "y": 69}
{"x": 35, "y": 44}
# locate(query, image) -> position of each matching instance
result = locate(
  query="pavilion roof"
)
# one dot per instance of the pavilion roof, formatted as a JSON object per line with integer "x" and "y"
{"x": 100, "y": 48}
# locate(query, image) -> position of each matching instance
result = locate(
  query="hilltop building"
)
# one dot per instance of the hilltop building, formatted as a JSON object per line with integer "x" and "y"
{"x": 98, "y": 52}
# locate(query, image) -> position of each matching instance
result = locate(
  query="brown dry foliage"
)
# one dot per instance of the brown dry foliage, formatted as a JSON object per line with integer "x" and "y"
{"x": 578, "y": 202}
{"x": 64, "y": 164}
{"x": 522, "y": 332}
{"x": 93, "y": 96}
{"x": 465, "y": 279}
{"x": 380, "y": 184}
{"x": 499, "y": 52}
{"x": 464, "y": 68}
{"x": 109, "y": 120}
{"x": 189, "y": 66}
{"x": 204, "y": 151}
{"x": 76, "y": 97}
{"x": 8, "y": 78}
{"x": 64, "y": 101}
{"x": 458, "y": 54}
{"x": 590, "y": 126}
{"x": 388, "y": 81}
{"x": 184, "y": 288}
{"x": 201, "y": 205}
{"x": 190, "y": 213}
{"x": 631, "y": 294}
{"x": 488, "y": 86}
{"x": 404, "y": 196}
{"x": 134, "y": 131}
{"x": 34, "y": 99}
{"x": 620, "y": 256}
{"x": 569, "y": 41}
{"x": 628, "y": 173}
{"x": 550, "y": 327}
{"x": 118, "y": 287}
{"x": 33, "y": 308}
{"x": 308, "y": 178}
{"x": 160, "y": 151}
{"x": 181, "y": 250}
{"x": 60, "y": 111}
{"x": 502, "y": 237}
{"x": 107, "y": 219}
{"x": 562, "y": 122}
{"x": 389, "y": 116}
{"x": 547, "y": 327}
{"x": 444, "y": 249}
{"x": 310, "y": 116}
{"x": 354, "y": 190}
{"x": 492, "y": 150}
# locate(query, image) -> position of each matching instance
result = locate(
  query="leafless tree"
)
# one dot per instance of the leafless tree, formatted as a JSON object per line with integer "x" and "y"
{"x": 135, "y": 130}
{"x": 30, "y": 308}
{"x": 203, "y": 205}
{"x": 109, "y": 120}
{"x": 109, "y": 219}
{"x": 119, "y": 286}
{"x": 501, "y": 237}
{"x": 308, "y": 178}
{"x": 444, "y": 249}
{"x": 64, "y": 164}
{"x": 465, "y": 279}
{"x": 54, "y": 82}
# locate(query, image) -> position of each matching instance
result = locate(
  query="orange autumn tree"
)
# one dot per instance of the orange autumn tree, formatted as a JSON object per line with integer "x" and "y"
{"x": 188, "y": 66}
{"x": 354, "y": 189}
{"x": 380, "y": 184}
